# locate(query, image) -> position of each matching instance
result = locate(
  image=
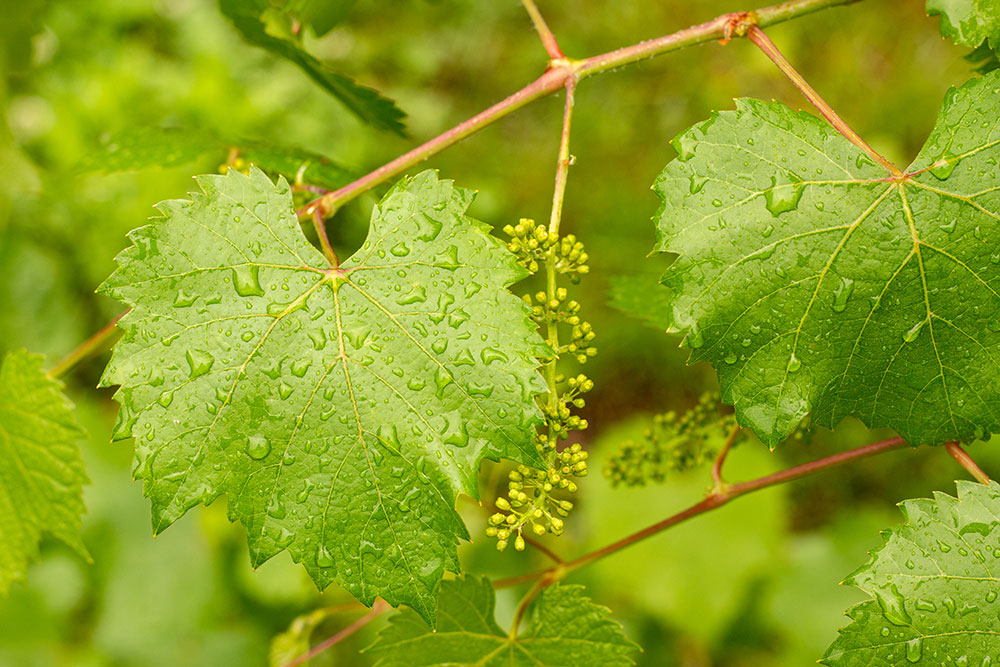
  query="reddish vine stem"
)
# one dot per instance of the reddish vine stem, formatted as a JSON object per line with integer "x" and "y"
{"x": 96, "y": 343}
{"x": 757, "y": 36}
{"x": 718, "y": 483}
{"x": 379, "y": 608}
{"x": 548, "y": 39}
{"x": 555, "y": 78}
{"x": 544, "y": 549}
{"x": 713, "y": 500}
{"x": 967, "y": 462}
{"x": 324, "y": 240}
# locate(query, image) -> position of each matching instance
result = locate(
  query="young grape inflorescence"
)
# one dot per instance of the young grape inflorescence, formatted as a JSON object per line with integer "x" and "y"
{"x": 532, "y": 503}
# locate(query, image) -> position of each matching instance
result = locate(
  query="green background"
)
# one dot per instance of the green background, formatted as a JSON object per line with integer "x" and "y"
{"x": 754, "y": 583}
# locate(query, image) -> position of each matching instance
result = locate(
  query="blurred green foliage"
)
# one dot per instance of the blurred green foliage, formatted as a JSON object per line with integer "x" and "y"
{"x": 751, "y": 584}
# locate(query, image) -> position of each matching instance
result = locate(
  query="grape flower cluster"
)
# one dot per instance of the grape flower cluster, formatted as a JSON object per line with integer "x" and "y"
{"x": 673, "y": 443}
{"x": 536, "y": 497}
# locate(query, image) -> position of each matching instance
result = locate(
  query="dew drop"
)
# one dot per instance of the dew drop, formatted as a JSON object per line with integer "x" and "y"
{"x": 417, "y": 294}
{"x": 183, "y": 299}
{"x": 783, "y": 195}
{"x": 246, "y": 280}
{"x": 944, "y": 166}
{"x": 842, "y": 294}
{"x": 416, "y": 384}
{"x": 323, "y": 557}
{"x": 166, "y": 398}
{"x": 794, "y": 363}
{"x": 442, "y": 379}
{"x": 914, "y": 649}
{"x": 694, "y": 339}
{"x": 276, "y": 510}
{"x": 400, "y": 249}
{"x": 200, "y": 362}
{"x": 914, "y": 331}
{"x": 318, "y": 338}
{"x": 893, "y": 607}
{"x": 258, "y": 447}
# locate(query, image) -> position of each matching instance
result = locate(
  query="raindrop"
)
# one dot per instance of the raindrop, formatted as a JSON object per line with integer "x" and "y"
{"x": 323, "y": 557}
{"x": 893, "y": 607}
{"x": 258, "y": 447}
{"x": 794, "y": 363}
{"x": 442, "y": 379}
{"x": 914, "y": 649}
{"x": 200, "y": 362}
{"x": 784, "y": 194}
{"x": 417, "y": 294}
{"x": 166, "y": 398}
{"x": 246, "y": 280}
{"x": 914, "y": 331}
{"x": 944, "y": 166}
{"x": 842, "y": 294}
{"x": 183, "y": 299}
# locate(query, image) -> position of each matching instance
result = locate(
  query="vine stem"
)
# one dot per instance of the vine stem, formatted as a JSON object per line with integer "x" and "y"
{"x": 763, "y": 42}
{"x": 718, "y": 483}
{"x": 555, "y": 77}
{"x": 715, "y": 499}
{"x": 542, "y": 548}
{"x": 324, "y": 240}
{"x": 379, "y": 608}
{"x": 96, "y": 343}
{"x": 967, "y": 462}
{"x": 548, "y": 39}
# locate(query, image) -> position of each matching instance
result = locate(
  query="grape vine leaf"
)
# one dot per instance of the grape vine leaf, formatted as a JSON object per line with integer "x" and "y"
{"x": 563, "y": 628}
{"x": 41, "y": 472}
{"x": 640, "y": 296}
{"x": 321, "y": 15}
{"x": 813, "y": 280}
{"x": 969, "y": 22}
{"x": 934, "y": 584}
{"x": 248, "y": 17}
{"x": 341, "y": 410}
{"x": 144, "y": 147}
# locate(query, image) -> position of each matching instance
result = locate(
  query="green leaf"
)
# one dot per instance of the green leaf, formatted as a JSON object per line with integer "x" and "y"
{"x": 365, "y": 103}
{"x": 983, "y": 58}
{"x": 143, "y": 147}
{"x": 320, "y": 15}
{"x": 813, "y": 280}
{"x": 640, "y": 296}
{"x": 563, "y": 628}
{"x": 41, "y": 473}
{"x": 934, "y": 585}
{"x": 294, "y": 641}
{"x": 969, "y": 22}
{"x": 341, "y": 410}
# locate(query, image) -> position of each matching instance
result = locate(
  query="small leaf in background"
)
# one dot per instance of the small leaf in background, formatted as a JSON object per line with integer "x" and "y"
{"x": 320, "y": 15}
{"x": 142, "y": 148}
{"x": 295, "y": 641}
{"x": 41, "y": 472}
{"x": 248, "y": 16}
{"x": 563, "y": 627}
{"x": 641, "y": 296}
{"x": 824, "y": 284}
{"x": 341, "y": 409}
{"x": 968, "y": 22}
{"x": 983, "y": 58}
{"x": 934, "y": 585}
